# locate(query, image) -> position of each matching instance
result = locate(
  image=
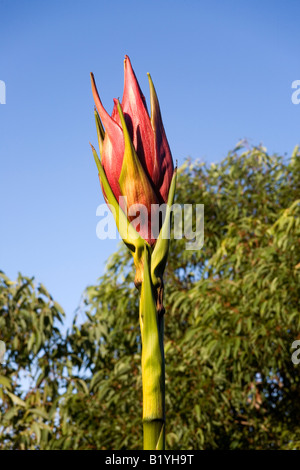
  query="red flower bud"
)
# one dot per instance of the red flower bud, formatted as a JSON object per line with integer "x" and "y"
{"x": 135, "y": 153}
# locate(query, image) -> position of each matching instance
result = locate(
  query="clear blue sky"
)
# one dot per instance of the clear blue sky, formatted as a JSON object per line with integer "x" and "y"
{"x": 222, "y": 69}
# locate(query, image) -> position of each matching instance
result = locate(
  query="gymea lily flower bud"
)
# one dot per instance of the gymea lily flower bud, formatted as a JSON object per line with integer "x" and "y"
{"x": 134, "y": 150}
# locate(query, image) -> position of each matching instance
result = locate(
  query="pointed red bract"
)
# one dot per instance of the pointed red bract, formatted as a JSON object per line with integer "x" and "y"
{"x": 113, "y": 145}
{"x": 137, "y": 118}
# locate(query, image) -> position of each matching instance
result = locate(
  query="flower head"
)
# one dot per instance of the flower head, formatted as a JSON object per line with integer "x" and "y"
{"x": 135, "y": 153}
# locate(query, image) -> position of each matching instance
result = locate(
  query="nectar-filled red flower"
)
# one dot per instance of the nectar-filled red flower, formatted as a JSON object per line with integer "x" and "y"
{"x": 135, "y": 153}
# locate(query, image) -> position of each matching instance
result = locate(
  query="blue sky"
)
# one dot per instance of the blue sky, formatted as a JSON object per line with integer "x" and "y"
{"x": 222, "y": 70}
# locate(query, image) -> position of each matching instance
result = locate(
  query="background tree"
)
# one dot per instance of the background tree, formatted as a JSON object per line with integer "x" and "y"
{"x": 232, "y": 314}
{"x": 30, "y": 376}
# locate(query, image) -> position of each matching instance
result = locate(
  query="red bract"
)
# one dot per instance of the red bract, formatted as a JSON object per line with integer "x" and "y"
{"x": 135, "y": 153}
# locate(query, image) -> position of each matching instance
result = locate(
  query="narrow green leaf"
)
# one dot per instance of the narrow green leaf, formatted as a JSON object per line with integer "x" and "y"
{"x": 16, "y": 400}
{"x": 5, "y": 382}
{"x": 160, "y": 253}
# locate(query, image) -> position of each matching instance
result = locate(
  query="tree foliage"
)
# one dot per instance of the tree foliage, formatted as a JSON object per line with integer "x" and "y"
{"x": 232, "y": 314}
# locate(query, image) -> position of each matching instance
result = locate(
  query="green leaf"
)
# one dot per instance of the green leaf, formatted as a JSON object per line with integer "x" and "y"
{"x": 160, "y": 253}
{"x": 5, "y": 381}
{"x": 16, "y": 400}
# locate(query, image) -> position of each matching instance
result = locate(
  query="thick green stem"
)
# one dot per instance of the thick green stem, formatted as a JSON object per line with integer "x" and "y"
{"x": 153, "y": 368}
{"x": 154, "y": 430}
{"x": 153, "y": 435}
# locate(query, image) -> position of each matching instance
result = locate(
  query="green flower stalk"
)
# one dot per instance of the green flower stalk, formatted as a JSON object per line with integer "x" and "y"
{"x": 137, "y": 176}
